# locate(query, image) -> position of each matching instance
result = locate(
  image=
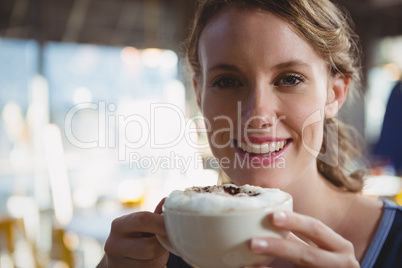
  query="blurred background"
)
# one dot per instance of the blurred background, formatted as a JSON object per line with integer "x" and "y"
{"x": 98, "y": 118}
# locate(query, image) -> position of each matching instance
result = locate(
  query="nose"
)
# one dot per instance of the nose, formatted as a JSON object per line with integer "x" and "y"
{"x": 259, "y": 108}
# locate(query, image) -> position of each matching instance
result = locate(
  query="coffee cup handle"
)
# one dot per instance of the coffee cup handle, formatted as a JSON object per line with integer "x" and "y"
{"x": 165, "y": 242}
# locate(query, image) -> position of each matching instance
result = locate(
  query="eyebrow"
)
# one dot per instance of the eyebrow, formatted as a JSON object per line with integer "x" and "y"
{"x": 223, "y": 66}
{"x": 282, "y": 65}
{"x": 293, "y": 63}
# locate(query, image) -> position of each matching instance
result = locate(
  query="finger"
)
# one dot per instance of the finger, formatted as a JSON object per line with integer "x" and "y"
{"x": 296, "y": 252}
{"x": 159, "y": 262}
{"x": 145, "y": 248}
{"x": 295, "y": 238}
{"x": 148, "y": 248}
{"x": 146, "y": 222}
{"x": 158, "y": 208}
{"x": 309, "y": 227}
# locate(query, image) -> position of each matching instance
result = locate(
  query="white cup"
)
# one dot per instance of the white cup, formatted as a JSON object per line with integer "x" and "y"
{"x": 220, "y": 240}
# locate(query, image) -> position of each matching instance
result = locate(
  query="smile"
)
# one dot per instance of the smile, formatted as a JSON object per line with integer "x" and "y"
{"x": 262, "y": 149}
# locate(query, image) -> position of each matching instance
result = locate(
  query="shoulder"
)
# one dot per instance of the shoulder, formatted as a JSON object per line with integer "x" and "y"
{"x": 396, "y": 227}
{"x": 391, "y": 251}
{"x": 394, "y": 212}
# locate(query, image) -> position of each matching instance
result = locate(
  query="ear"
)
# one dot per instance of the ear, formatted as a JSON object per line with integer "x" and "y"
{"x": 198, "y": 91}
{"x": 337, "y": 92}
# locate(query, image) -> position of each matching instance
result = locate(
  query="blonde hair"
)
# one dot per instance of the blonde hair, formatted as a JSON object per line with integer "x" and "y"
{"x": 328, "y": 29}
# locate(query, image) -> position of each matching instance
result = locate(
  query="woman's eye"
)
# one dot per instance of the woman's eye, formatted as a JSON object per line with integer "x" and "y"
{"x": 290, "y": 80}
{"x": 227, "y": 83}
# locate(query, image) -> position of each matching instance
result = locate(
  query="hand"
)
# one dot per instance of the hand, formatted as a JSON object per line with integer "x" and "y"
{"x": 320, "y": 247}
{"x": 132, "y": 241}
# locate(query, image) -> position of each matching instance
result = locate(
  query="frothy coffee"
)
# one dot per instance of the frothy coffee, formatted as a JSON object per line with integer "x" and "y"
{"x": 224, "y": 198}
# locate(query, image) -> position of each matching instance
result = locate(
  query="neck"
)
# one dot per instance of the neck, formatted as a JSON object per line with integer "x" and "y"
{"x": 350, "y": 215}
{"x": 320, "y": 199}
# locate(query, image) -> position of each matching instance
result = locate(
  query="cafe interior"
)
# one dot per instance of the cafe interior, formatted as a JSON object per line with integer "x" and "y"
{"x": 98, "y": 118}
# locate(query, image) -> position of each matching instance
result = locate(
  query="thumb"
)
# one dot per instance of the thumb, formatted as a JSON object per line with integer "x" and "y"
{"x": 158, "y": 208}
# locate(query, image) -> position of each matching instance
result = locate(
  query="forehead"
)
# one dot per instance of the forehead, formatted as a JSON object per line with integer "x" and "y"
{"x": 238, "y": 34}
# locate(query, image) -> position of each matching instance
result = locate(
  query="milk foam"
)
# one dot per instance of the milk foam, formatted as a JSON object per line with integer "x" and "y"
{"x": 225, "y": 198}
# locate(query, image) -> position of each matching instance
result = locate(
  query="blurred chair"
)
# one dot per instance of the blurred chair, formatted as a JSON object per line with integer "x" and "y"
{"x": 60, "y": 249}
{"x": 66, "y": 233}
{"x": 7, "y": 236}
{"x": 12, "y": 230}
{"x": 21, "y": 226}
{"x": 61, "y": 194}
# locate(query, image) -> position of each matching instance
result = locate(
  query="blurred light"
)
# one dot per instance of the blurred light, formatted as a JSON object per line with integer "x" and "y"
{"x": 398, "y": 198}
{"x": 383, "y": 185}
{"x": 26, "y": 208}
{"x": 131, "y": 191}
{"x": 82, "y": 95}
{"x": 40, "y": 85}
{"x": 130, "y": 55}
{"x": 13, "y": 120}
{"x": 85, "y": 60}
{"x": 59, "y": 182}
{"x": 128, "y": 106}
{"x": 92, "y": 250}
{"x": 71, "y": 240}
{"x": 174, "y": 181}
{"x": 38, "y": 117}
{"x": 151, "y": 57}
{"x": 5, "y": 260}
{"x": 175, "y": 93}
{"x": 12, "y": 113}
{"x": 393, "y": 70}
{"x": 19, "y": 158}
{"x": 376, "y": 109}
{"x": 58, "y": 264}
{"x": 169, "y": 59}
{"x": 17, "y": 206}
{"x": 38, "y": 110}
{"x": 85, "y": 197}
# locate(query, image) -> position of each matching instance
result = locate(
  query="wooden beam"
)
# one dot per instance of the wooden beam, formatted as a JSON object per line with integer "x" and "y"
{"x": 76, "y": 20}
{"x": 17, "y": 18}
{"x": 151, "y": 22}
{"x": 129, "y": 16}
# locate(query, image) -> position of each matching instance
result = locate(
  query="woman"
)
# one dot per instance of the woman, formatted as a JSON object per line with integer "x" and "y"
{"x": 278, "y": 72}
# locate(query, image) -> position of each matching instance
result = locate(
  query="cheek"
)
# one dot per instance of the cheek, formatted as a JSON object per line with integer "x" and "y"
{"x": 222, "y": 120}
{"x": 310, "y": 125}
{"x": 312, "y": 138}
{"x": 220, "y": 110}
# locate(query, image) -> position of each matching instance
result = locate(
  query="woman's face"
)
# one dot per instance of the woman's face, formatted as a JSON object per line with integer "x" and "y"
{"x": 262, "y": 90}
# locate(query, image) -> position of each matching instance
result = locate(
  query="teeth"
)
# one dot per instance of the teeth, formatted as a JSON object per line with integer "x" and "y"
{"x": 264, "y": 148}
{"x": 272, "y": 146}
{"x": 254, "y": 148}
